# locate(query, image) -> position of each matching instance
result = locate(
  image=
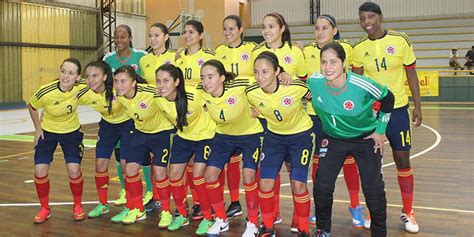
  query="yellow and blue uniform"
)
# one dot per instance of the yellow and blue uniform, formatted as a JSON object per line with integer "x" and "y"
{"x": 150, "y": 62}
{"x": 191, "y": 65}
{"x": 290, "y": 58}
{"x": 153, "y": 132}
{"x": 289, "y": 134}
{"x": 196, "y": 136}
{"x": 237, "y": 59}
{"x": 236, "y": 129}
{"x": 60, "y": 123}
{"x": 384, "y": 60}
{"x": 113, "y": 127}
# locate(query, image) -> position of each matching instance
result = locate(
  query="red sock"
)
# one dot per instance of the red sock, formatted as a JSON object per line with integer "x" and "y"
{"x": 42, "y": 190}
{"x": 76, "y": 185}
{"x": 406, "y": 182}
{"x": 276, "y": 194}
{"x": 222, "y": 180}
{"x": 266, "y": 201}
{"x": 135, "y": 190}
{"x": 251, "y": 198}
{"x": 156, "y": 193}
{"x": 314, "y": 169}
{"x": 302, "y": 206}
{"x": 233, "y": 177}
{"x": 351, "y": 176}
{"x": 102, "y": 185}
{"x": 189, "y": 181}
{"x": 200, "y": 186}
{"x": 163, "y": 188}
{"x": 216, "y": 198}
{"x": 179, "y": 196}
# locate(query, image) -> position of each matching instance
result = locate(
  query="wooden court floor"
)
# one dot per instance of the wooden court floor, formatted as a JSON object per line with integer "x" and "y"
{"x": 441, "y": 157}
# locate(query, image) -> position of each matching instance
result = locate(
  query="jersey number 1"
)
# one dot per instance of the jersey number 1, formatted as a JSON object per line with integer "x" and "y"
{"x": 383, "y": 64}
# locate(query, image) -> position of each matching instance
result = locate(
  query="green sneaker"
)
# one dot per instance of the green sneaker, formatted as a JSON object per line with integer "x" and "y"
{"x": 178, "y": 222}
{"x": 166, "y": 219}
{"x": 121, "y": 200}
{"x": 147, "y": 198}
{"x": 119, "y": 217}
{"x": 134, "y": 216}
{"x": 204, "y": 226}
{"x": 98, "y": 210}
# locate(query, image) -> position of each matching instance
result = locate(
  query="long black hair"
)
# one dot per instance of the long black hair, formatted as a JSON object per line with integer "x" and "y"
{"x": 285, "y": 36}
{"x": 229, "y": 76}
{"x": 198, "y": 26}
{"x": 131, "y": 73}
{"x": 238, "y": 22}
{"x": 165, "y": 31}
{"x": 181, "y": 101}
{"x": 109, "y": 81}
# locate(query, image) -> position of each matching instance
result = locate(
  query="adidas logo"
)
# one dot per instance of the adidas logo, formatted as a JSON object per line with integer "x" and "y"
{"x": 94, "y": 103}
{"x": 261, "y": 104}
{"x": 224, "y": 57}
{"x": 147, "y": 66}
{"x": 319, "y": 99}
{"x": 56, "y": 103}
{"x": 366, "y": 54}
{"x": 313, "y": 56}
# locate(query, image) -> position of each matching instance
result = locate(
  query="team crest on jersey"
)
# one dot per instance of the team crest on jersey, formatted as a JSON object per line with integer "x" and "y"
{"x": 135, "y": 67}
{"x": 245, "y": 57}
{"x": 200, "y": 62}
{"x": 143, "y": 105}
{"x": 390, "y": 50}
{"x": 287, "y": 101}
{"x": 348, "y": 105}
{"x": 324, "y": 143}
{"x": 232, "y": 101}
{"x": 287, "y": 59}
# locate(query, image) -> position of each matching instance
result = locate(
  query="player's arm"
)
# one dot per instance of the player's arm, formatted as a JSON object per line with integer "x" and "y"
{"x": 36, "y": 122}
{"x": 415, "y": 91}
{"x": 386, "y": 107}
{"x": 358, "y": 70}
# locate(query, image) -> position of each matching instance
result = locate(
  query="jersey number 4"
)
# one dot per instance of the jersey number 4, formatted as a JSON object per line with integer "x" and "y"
{"x": 383, "y": 64}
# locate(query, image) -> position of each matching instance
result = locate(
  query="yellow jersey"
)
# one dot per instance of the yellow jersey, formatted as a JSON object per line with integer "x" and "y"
{"x": 291, "y": 59}
{"x": 283, "y": 109}
{"x": 231, "y": 111}
{"x": 150, "y": 62}
{"x": 384, "y": 60}
{"x": 313, "y": 60}
{"x": 99, "y": 103}
{"x": 200, "y": 125}
{"x": 144, "y": 111}
{"x": 60, "y": 107}
{"x": 191, "y": 65}
{"x": 237, "y": 60}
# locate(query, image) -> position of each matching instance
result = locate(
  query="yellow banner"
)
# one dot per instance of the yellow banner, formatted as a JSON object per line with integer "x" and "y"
{"x": 428, "y": 81}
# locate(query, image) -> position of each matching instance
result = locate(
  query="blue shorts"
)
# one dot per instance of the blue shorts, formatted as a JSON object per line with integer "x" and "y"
{"x": 264, "y": 124}
{"x": 110, "y": 135}
{"x": 317, "y": 129}
{"x": 183, "y": 149}
{"x": 297, "y": 149}
{"x": 71, "y": 144}
{"x": 399, "y": 129}
{"x": 143, "y": 143}
{"x": 224, "y": 146}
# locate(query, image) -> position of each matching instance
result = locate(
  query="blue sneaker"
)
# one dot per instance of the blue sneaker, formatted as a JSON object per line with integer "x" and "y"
{"x": 312, "y": 220}
{"x": 357, "y": 218}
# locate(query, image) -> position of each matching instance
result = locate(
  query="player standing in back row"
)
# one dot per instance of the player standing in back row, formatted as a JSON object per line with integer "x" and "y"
{"x": 388, "y": 58}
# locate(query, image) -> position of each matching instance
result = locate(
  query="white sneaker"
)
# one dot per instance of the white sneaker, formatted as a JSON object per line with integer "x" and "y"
{"x": 251, "y": 230}
{"x": 367, "y": 222}
{"x": 409, "y": 222}
{"x": 218, "y": 227}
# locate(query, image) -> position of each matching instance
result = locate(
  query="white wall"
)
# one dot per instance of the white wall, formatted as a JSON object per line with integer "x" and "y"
{"x": 297, "y": 11}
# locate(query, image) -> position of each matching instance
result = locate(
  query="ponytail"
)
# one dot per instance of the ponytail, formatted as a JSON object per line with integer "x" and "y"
{"x": 181, "y": 101}
{"x": 109, "y": 81}
{"x": 229, "y": 76}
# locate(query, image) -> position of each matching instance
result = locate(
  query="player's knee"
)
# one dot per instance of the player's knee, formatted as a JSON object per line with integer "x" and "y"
{"x": 298, "y": 187}
{"x": 266, "y": 185}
